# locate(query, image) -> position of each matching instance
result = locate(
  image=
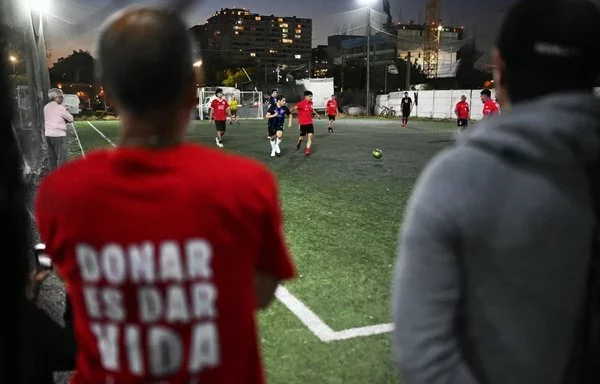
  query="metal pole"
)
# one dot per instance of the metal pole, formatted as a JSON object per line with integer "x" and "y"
{"x": 368, "y": 111}
{"x": 385, "y": 82}
{"x": 408, "y": 68}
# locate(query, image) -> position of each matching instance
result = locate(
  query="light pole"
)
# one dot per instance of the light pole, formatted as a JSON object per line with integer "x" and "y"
{"x": 368, "y": 98}
{"x": 197, "y": 65}
{"x": 13, "y": 61}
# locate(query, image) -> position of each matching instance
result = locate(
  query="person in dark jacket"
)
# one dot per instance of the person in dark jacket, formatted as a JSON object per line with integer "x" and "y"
{"x": 492, "y": 273}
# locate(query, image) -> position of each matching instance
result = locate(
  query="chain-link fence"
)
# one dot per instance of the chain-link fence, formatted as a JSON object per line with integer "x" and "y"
{"x": 30, "y": 81}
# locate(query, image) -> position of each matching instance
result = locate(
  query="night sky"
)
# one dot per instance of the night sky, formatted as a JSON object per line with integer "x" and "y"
{"x": 481, "y": 18}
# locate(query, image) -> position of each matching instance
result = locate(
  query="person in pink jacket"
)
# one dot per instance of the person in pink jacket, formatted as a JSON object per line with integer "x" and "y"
{"x": 56, "y": 118}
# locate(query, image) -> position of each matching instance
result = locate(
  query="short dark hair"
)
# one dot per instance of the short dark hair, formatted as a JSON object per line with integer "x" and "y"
{"x": 273, "y": 90}
{"x": 218, "y": 90}
{"x": 554, "y": 53}
{"x": 307, "y": 93}
{"x": 139, "y": 46}
{"x": 280, "y": 97}
{"x": 486, "y": 92}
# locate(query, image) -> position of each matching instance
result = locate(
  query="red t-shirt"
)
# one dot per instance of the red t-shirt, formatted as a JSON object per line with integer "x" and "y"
{"x": 159, "y": 251}
{"x": 462, "y": 108}
{"x": 220, "y": 109}
{"x": 332, "y": 107}
{"x": 305, "y": 112}
{"x": 490, "y": 108}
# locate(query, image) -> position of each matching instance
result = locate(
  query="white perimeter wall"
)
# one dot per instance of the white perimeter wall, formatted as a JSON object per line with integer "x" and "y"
{"x": 437, "y": 104}
{"x": 434, "y": 104}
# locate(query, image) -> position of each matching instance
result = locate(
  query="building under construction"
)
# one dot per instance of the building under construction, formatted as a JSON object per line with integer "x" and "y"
{"x": 431, "y": 45}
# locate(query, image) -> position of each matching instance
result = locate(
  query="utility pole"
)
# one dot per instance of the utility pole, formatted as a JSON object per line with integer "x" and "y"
{"x": 408, "y": 68}
{"x": 368, "y": 101}
{"x": 343, "y": 69}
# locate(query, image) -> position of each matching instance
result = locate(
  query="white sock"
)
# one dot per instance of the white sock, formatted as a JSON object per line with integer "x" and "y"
{"x": 273, "y": 144}
{"x": 278, "y": 140}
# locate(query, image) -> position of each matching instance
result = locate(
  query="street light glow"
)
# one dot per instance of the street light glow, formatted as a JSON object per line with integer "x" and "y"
{"x": 440, "y": 28}
{"x": 12, "y": 59}
{"x": 198, "y": 63}
{"x": 41, "y": 6}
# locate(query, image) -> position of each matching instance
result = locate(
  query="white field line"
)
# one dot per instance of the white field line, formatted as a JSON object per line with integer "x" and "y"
{"x": 78, "y": 141}
{"x": 102, "y": 134}
{"x": 318, "y": 327}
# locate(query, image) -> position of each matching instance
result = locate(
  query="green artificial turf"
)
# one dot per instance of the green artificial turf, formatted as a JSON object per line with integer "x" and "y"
{"x": 343, "y": 210}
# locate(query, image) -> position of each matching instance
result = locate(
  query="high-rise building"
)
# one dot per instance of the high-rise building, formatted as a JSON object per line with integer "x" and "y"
{"x": 241, "y": 38}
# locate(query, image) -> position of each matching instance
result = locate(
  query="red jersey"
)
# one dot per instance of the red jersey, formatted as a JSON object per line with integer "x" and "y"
{"x": 305, "y": 112}
{"x": 220, "y": 109}
{"x": 462, "y": 110}
{"x": 332, "y": 107}
{"x": 159, "y": 257}
{"x": 490, "y": 108}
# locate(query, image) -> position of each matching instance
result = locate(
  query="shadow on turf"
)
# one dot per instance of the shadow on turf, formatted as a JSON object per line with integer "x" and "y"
{"x": 441, "y": 141}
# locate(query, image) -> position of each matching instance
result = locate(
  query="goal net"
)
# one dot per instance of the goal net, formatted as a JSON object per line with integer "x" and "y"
{"x": 250, "y": 103}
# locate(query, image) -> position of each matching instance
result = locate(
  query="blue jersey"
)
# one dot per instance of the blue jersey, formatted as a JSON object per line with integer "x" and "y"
{"x": 282, "y": 112}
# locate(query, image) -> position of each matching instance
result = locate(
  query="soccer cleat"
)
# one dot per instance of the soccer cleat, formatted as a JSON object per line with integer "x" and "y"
{"x": 217, "y": 141}
{"x": 298, "y": 145}
{"x": 273, "y": 152}
{"x": 307, "y": 152}
{"x": 330, "y": 130}
{"x": 277, "y": 149}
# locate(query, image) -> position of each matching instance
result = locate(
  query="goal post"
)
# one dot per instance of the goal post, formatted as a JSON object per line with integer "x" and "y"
{"x": 250, "y": 103}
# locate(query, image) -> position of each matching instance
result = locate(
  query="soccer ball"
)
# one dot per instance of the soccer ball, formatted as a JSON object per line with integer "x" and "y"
{"x": 377, "y": 153}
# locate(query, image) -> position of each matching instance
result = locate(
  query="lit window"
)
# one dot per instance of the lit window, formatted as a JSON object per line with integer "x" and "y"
{"x": 286, "y": 41}
{"x": 297, "y": 56}
{"x": 240, "y": 22}
{"x": 252, "y": 54}
{"x": 298, "y": 31}
{"x": 298, "y": 36}
{"x": 280, "y": 20}
{"x": 284, "y": 30}
{"x": 237, "y": 33}
{"x": 284, "y": 35}
{"x": 257, "y": 18}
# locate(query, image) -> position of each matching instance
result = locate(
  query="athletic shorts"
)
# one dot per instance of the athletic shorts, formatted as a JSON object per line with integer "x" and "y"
{"x": 405, "y": 113}
{"x": 331, "y": 117}
{"x": 273, "y": 130}
{"x": 307, "y": 129}
{"x": 221, "y": 125}
{"x": 464, "y": 123}
{"x": 233, "y": 113}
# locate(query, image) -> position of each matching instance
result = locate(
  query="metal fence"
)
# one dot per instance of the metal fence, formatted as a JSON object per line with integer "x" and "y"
{"x": 24, "y": 30}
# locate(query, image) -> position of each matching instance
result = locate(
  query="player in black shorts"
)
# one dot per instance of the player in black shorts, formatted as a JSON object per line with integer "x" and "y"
{"x": 407, "y": 106}
{"x": 276, "y": 116}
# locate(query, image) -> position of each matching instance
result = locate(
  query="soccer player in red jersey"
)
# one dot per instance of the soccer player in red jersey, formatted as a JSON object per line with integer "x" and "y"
{"x": 166, "y": 258}
{"x": 305, "y": 119}
{"x": 489, "y": 106}
{"x": 219, "y": 110}
{"x": 332, "y": 110}
{"x": 463, "y": 112}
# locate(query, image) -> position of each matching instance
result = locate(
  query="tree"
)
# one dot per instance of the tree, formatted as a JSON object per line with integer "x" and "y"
{"x": 233, "y": 77}
{"x": 78, "y": 67}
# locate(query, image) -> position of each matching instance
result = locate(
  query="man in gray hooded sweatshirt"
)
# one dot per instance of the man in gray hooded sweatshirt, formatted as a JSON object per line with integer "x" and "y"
{"x": 492, "y": 276}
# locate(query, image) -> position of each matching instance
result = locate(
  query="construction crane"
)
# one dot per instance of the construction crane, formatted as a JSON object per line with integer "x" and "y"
{"x": 433, "y": 12}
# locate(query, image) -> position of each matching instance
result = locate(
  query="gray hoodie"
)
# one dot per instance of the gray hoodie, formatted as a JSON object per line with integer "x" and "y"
{"x": 491, "y": 275}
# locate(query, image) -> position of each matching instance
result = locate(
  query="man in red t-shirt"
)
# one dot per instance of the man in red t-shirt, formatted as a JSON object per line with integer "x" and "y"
{"x": 332, "y": 110}
{"x": 219, "y": 110}
{"x": 489, "y": 106}
{"x": 305, "y": 119}
{"x": 165, "y": 257}
{"x": 463, "y": 112}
